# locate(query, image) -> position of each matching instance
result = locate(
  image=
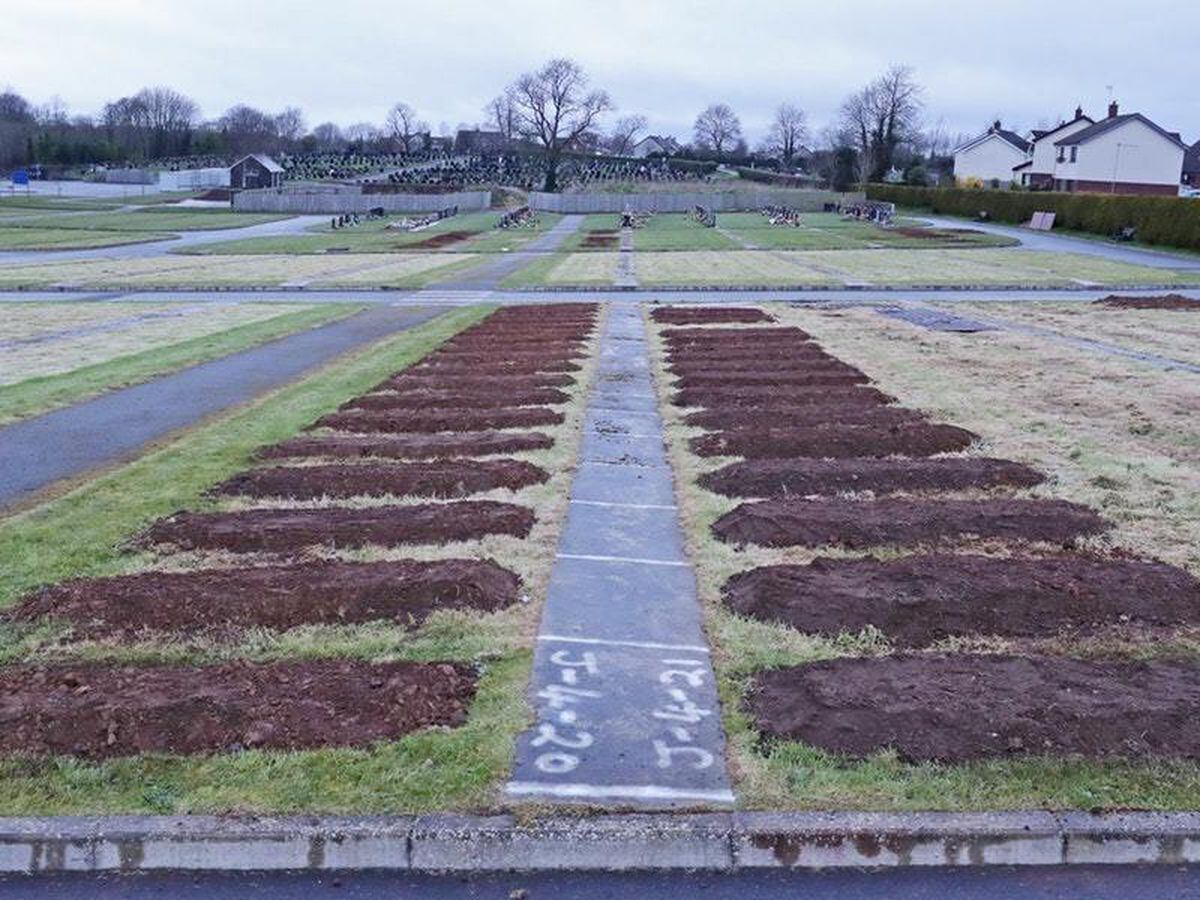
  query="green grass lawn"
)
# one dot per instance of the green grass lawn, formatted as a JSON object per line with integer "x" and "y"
{"x": 149, "y": 219}
{"x": 85, "y": 533}
{"x": 829, "y": 231}
{"x": 37, "y": 395}
{"x": 16, "y": 236}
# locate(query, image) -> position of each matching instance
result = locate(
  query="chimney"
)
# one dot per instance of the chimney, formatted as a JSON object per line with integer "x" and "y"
{"x": 996, "y": 125}
{"x": 1079, "y": 112}
{"x": 1112, "y": 110}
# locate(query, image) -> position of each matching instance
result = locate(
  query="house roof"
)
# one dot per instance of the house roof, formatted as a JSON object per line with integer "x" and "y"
{"x": 666, "y": 142}
{"x": 1112, "y": 123}
{"x": 1024, "y": 165}
{"x": 263, "y": 160}
{"x": 1191, "y": 160}
{"x": 1009, "y": 137}
{"x": 1040, "y": 134}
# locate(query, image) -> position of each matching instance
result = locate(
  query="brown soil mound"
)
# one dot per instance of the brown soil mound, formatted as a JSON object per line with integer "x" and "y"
{"x": 944, "y": 235}
{"x": 918, "y": 600}
{"x": 482, "y": 343}
{"x": 862, "y": 524}
{"x": 600, "y": 238}
{"x": 290, "y": 530}
{"x": 1167, "y": 301}
{"x": 954, "y": 708}
{"x": 502, "y": 356}
{"x": 445, "y": 420}
{"x": 817, "y": 378}
{"x": 415, "y": 446}
{"x": 99, "y": 711}
{"x": 836, "y": 441}
{"x": 477, "y": 399}
{"x": 745, "y": 367}
{"x": 753, "y": 395}
{"x": 445, "y": 239}
{"x": 766, "y": 415}
{"x": 814, "y": 477}
{"x": 707, "y": 315}
{"x": 717, "y": 336}
{"x": 444, "y": 381}
{"x": 491, "y": 365}
{"x": 445, "y": 478}
{"x": 276, "y": 597}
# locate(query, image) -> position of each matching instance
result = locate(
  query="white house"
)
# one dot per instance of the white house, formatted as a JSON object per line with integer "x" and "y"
{"x": 655, "y": 144}
{"x": 991, "y": 156}
{"x": 1122, "y": 154}
{"x": 1037, "y": 170}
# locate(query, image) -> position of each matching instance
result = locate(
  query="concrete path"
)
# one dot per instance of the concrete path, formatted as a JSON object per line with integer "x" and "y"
{"x": 36, "y": 453}
{"x": 627, "y": 710}
{"x": 626, "y": 271}
{"x": 930, "y": 883}
{"x": 1058, "y": 243}
{"x": 493, "y": 271}
{"x": 294, "y": 225}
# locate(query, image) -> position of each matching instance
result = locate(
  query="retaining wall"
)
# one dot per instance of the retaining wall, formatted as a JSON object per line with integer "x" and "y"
{"x": 335, "y": 201}
{"x": 683, "y": 201}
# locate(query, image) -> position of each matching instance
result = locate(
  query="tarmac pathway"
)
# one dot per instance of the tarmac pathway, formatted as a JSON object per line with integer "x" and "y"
{"x": 627, "y": 709}
{"x": 35, "y": 453}
{"x": 492, "y": 272}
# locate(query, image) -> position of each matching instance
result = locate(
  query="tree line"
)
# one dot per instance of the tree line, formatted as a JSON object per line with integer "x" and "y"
{"x": 553, "y": 108}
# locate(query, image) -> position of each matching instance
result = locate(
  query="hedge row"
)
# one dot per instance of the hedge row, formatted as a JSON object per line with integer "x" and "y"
{"x": 1170, "y": 221}
{"x": 773, "y": 178}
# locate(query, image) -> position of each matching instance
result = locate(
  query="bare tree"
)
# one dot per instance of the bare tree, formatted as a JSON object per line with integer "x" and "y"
{"x": 289, "y": 126}
{"x": 879, "y": 118}
{"x": 625, "y": 133}
{"x": 501, "y": 115}
{"x": 717, "y": 128}
{"x": 787, "y": 134}
{"x": 362, "y": 133}
{"x": 555, "y": 108}
{"x": 328, "y": 136}
{"x": 403, "y": 126}
{"x": 248, "y": 130}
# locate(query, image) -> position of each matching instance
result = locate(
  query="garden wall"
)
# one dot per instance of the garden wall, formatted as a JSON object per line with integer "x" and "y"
{"x": 683, "y": 201}
{"x": 336, "y": 200}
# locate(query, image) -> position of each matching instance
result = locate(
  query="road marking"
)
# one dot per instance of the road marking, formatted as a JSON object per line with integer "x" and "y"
{"x": 625, "y": 505}
{"x": 626, "y": 559}
{"x": 618, "y": 792}
{"x": 601, "y": 642}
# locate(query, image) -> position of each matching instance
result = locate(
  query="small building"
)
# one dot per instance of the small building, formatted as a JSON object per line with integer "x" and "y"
{"x": 1037, "y": 171}
{"x": 1121, "y": 154}
{"x": 991, "y": 157}
{"x": 1191, "y": 167}
{"x": 655, "y": 145}
{"x": 255, "y": 171}
{"x": 482, "y": 143}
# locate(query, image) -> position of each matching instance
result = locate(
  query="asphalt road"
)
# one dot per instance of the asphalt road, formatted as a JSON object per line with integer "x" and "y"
{"x": 1073, "y": 883}
{"x": 36, "y": 453}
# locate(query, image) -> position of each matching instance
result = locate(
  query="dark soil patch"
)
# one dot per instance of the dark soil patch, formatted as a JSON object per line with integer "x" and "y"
{"x": 504, "y": 356}
{"x": 476, "y": 399}
{"x": 751, "y": 395}
{"x": 772, "y": 358}
{"x": 599, "y": 237}
{"x": 765, "y": 368}
{"x": 955, "y": 708}
{"x": 98, "y": 711}
{"x": 942, "y": 235}
{"x": 918, "y": 600}
{"x": 290, "y": 530}
{"x": 900, "y": 522}
{"x": 492, "y": 365}
{"x": 815, "y": 477}
{"x": 836, "y": 441}
{"x": 275, "y": 597}
{"x": 488, "y": 344}
{"x": 364, "y": 421}
{"x": 708, "y": 315}
{"x": 1167, "y": 301}
{"x": 445, "y": 381}
{"x": 445, "y": 239}
{"x": 737, "y": 415}
{"x": 717, "y": 336}
{"x": 773, "y": 379}
{"x": 415, "y": 446}
{"x": 445, "y": 479}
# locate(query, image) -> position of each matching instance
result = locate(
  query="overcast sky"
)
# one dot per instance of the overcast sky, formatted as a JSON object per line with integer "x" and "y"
{"x": 1024, "y": 61}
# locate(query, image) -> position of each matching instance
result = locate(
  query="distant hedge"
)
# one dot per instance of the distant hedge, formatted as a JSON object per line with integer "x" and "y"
{"x": 1170, "y": 221}
{"x": 773, "y": 178}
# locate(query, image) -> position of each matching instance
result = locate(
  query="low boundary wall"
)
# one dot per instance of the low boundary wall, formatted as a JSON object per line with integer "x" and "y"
{"x": 683, "y": 201}
{"x": 333, "y": 202}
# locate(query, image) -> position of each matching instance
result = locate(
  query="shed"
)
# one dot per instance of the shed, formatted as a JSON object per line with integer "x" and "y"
{"x": 255, "y": 171}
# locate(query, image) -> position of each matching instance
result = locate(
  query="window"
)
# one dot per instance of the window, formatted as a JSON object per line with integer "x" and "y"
{"x": 1062, "y": 154}
{"x": 1074, "y": 153}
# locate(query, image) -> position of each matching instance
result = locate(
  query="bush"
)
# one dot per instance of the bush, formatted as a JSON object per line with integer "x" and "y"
{"x": 1168, "y": 221}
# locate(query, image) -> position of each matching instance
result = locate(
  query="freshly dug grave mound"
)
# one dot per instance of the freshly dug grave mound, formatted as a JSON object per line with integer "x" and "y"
{"x": 944, "y": 235}
{"x": 835, "y": 441}
{"x": 445, "y": 239}
{"x": 737, "y": 415}
{"x": 100, "y": 712}
{"x": 277, "y": 597}
{"x": 900, "y": 522}
{"x": 1166, "y": 301}
{"x": 503, "y": 356}
{"x": 707, "y": 315}
{"x": 477, "y": 399}
{"x": 492, "y": 366}
{"x": 445, "y": 420}
{"x": 447, "y": 478}
{"x": 815, "y": 477}
{"x": 801, "y": 378}
{"x": 600, "y": 237}
{"x": 480, "y": 345}
{"x": 290, "y": 530}
{"x": 748, "y": 366}
{"x": 414, "y": 446}
{"x": 918, "y": 600}
{"x": 717, "y": 335}
{"x": 752, "y": 395}
{"x": 444, "y": 381}
{"x": 959, "y": 707}
{"x": 766, "y": 360}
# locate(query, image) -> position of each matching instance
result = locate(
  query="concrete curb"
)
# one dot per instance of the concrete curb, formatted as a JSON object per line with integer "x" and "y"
{"x": 718, "y": 842}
